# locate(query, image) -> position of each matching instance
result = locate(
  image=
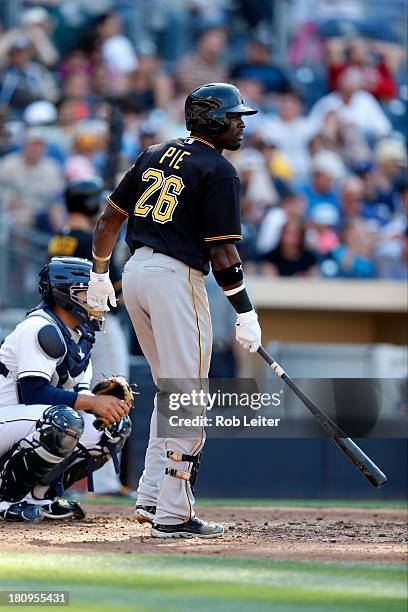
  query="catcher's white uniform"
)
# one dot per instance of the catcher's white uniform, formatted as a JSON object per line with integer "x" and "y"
{"x": 22, "y": 355}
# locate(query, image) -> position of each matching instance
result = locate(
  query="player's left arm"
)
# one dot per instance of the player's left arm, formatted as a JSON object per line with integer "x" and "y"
{"x": 227, "y": 269}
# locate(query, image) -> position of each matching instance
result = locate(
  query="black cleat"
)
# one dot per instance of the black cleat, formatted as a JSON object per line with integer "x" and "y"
{"x": 193, "y": 528}
{"x": 22, "y": 512}
{"x": 61, "y": 509}
{"x": 145, "y": 514}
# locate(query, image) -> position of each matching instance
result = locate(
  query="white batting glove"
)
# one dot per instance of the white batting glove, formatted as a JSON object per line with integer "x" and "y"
{"x": 247, "y": 331}
{"x": 100, "y": 289}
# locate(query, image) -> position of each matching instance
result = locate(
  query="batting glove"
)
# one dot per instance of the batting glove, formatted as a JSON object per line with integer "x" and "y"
{"x": 247, "y": 330}
{"x": 100, "y": 289}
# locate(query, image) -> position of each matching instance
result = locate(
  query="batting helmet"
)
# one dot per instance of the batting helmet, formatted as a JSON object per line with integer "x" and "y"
{"x": 64, "y": 282}
{"x": 207, "y": 108}
{"x": 84, "y": 196}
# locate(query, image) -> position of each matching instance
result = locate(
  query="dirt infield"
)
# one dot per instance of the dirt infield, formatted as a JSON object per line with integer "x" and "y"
{"x": 331, "y": 534}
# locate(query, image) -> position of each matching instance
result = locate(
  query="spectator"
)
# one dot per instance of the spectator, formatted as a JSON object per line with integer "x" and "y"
{"x": 205, "y": 64}
{"x": 24, "y": 81}
{"x": 32, "y": 183}
{"x": 36, "y": 26}
{"x": 257, "y": 191}
{"x": 376, "y": 76}
{"x": 353, "y": 258}
{"x": 117, "y": 50}
{"x": 391, "y": 160}
{"x": 291, "y": 131}
{"x": 352, "y": 198}
{"x": 291, "y": 204}
{"x": 259, "y": 67}
{"x": 291, "y": 257}
{"x": 148, "y": 85}
{"x": 80, "y": 164}
{"x": 355, "y": 108}
{"x": 321, "y": 236}
{"x": 326, "y": 169}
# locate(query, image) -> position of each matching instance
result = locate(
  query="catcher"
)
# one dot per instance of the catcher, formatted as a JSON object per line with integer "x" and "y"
{"x": 49, "y": 436}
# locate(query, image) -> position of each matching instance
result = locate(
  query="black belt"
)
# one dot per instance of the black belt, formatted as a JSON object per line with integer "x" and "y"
{"x": 3, "y": 370}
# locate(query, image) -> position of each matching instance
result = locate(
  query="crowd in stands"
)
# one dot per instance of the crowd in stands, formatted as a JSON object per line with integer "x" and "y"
{"x": 324, "y": 187}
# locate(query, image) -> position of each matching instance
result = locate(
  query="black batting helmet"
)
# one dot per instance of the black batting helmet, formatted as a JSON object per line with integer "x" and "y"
{"x": 207, "y": 108}
{"x": 64, "y": 282}
{"x": 84, "y": 196}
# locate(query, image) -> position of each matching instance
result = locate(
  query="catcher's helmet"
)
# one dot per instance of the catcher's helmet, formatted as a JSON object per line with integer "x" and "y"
{"x": 207, "y": 108}
{"x": 84, "y": 196}
{"x": 64, "y": 282}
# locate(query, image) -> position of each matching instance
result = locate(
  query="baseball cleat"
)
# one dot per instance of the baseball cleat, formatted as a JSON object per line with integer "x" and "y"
{"x": 23, "y": 512}
{"x": 145, "y": 514}
{"x": 193, "y": 528}
{"x": 61, "y": 509}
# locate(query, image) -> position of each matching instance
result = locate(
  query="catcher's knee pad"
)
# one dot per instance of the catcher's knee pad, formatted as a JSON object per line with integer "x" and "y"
{"x": 59, "y": 430}
{"x": 29, "y": 462}
{"x": 193, "y": 460}
{"x": 84, "y": 461}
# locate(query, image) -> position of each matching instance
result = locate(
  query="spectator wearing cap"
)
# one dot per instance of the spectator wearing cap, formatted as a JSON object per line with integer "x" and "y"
{"x": 36, "y": 26}
{"x": 291, "y": 257}
{"x": 205, "y": 65}
{"x": 24, "y": 81}
{"x": 321, "y": 236}
{"x": 32, "y": 183}
{"x": 376, "y": 76}
{"x": 258, "y": 66}
{"x": 80, "y": 164}
{"x": 291, "y": 131}
{"x": 326, "y": 170}
{"x": 390, "y": 157}
{"x": 354, "y": 107}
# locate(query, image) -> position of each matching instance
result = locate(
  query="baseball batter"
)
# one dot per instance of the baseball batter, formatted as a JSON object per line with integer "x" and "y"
{"x": 181, "y": 199}
{"x": 47, "y": 437}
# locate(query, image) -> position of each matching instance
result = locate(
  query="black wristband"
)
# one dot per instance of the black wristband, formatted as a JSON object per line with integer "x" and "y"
{"x": 239, "y": 299}
{"x": 229, "y": 276}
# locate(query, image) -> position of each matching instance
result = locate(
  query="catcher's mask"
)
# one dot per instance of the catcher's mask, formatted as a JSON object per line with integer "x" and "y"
{"x": 208, "y": 106}
{"x": 64, "y": 282}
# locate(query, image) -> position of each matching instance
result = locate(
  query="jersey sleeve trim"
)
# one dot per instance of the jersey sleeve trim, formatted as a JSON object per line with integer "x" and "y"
{"x": 117, "y": 207}
{"x": 36, "y": 373}
{"x": 227, "y": 237}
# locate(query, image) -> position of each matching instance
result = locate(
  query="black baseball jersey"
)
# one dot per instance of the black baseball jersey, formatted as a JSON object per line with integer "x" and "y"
{"x": 78, "y": 243}
{"x": 181, "y": 197}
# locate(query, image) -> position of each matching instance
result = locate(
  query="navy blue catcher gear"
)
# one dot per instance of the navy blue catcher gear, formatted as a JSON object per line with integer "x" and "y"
{"x": 84, "y": 196}
{"x": 208, "y": 106}
{"x": 51, "y": 342}
{"x": 83, "y": 462}
{"x": 64, "y": 282}
{"x": 29, "y": 462}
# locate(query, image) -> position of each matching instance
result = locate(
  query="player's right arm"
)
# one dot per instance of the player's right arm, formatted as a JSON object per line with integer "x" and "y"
{"x": 105, "y": 236}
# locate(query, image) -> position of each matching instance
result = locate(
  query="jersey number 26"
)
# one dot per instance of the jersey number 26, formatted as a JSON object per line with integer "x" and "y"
{"x": 170, "y": 187}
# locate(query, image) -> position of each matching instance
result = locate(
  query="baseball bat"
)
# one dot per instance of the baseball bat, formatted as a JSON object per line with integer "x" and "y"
{"x": 350, "y": 448}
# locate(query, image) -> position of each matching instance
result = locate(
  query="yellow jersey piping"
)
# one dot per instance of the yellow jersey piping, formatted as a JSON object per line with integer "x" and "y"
{"x": 117, "y": 207}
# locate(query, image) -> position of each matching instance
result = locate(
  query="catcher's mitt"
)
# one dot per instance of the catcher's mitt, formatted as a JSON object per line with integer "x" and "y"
{"x": 117, "y": 386}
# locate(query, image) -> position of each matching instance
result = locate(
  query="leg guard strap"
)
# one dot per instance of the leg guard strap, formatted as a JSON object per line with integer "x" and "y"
{"x": 195, "y": 460}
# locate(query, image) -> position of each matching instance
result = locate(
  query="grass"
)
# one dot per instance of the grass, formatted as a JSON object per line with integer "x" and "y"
{"x": 266, "y": 503}
{"x": 202, "y": 584}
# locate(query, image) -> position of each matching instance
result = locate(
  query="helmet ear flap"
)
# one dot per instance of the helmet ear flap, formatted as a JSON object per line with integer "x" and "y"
{"x": 44, "y": 286}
